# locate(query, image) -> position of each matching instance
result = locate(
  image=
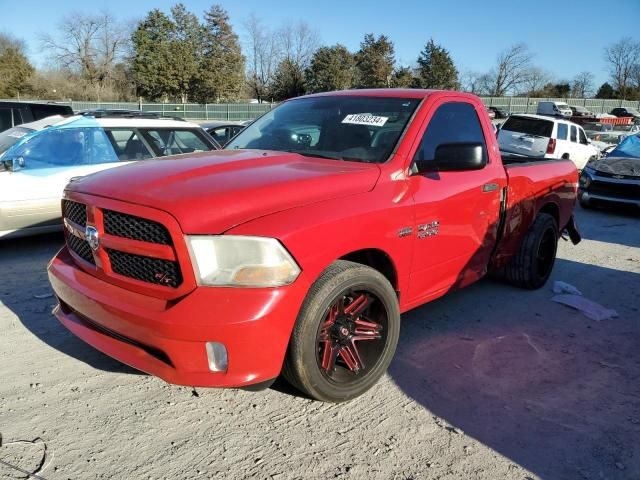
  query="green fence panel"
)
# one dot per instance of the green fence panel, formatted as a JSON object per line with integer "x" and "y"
{"x": 250, "y": 111}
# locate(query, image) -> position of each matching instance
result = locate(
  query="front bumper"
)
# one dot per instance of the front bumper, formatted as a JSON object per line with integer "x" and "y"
{"x": 587, "y": 197}
{"x": 166, "y": 338}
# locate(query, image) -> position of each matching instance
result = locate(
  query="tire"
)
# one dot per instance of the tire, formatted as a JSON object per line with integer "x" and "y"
{"x": 350, "y": 307}
{"x": 531, "y": 266}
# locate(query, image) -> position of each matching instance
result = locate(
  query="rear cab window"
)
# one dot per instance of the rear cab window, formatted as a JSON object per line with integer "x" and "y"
{"x": 529, "y": 126}
{"x": 574, "y": 134}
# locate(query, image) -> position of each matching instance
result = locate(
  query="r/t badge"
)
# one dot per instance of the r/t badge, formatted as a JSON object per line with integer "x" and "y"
{"x": 428, "y": 229}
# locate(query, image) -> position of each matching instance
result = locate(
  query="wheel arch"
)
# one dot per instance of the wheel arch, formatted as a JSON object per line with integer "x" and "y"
{"x": 378, "y": 260}
{"x": 552, "y": 209}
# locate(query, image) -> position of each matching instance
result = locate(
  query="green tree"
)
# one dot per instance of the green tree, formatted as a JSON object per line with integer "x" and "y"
{"x": 15, "y": 69}
{"x": 152, "y": 56}
{"x": 221, "y": 76}
{"x": 374, "y": 62}
{"x": 288, "y": 81}
{"x": 331, "y": 68}
{"x": 403, "y": 78}
{"x": 185, "y": 47}
{"x": 606, "y": 91}
{"x": 436, "y": 68}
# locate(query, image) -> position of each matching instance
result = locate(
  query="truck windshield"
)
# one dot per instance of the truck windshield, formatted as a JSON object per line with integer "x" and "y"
{"x": 357, "y": 128}
{"x": 529, "y": 126}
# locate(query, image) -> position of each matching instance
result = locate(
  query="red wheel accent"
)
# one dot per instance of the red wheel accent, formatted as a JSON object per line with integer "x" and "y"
{"x": 347, "y": 324}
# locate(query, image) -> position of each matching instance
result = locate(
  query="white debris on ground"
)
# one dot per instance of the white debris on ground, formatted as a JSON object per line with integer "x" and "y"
{"x": 563, "y": 287}
{"x": 591, "y": 309}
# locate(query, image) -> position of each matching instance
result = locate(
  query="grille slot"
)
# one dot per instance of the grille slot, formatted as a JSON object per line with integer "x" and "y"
{"x": 617, "y": 190}
{"x": 135, "y": 228}
{"x": 74, "y": 211}
{"x": 81, "y": 248}
{"x": 146, "y": 269}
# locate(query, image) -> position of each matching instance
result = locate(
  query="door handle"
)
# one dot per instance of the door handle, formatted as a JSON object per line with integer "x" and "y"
{"x": 490, "y": 187}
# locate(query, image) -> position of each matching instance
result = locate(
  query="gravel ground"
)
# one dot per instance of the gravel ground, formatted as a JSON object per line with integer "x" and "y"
{"x": 489, "y": 382}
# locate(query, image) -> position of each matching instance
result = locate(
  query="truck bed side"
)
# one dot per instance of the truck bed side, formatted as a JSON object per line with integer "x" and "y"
{"x": 534, "y": 186}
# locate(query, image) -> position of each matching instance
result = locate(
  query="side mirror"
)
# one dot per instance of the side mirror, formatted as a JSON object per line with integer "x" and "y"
{"x": 13, "y": 164}
{"x": 451, "y": 157}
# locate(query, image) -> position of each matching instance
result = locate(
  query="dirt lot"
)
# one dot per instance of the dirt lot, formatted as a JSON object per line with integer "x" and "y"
{"x": 490, "y": 382}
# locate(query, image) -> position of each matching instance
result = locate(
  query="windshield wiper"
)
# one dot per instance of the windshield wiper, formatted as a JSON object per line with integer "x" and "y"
{"x": 329, "y": 157}
{"x": 317, "y": 155}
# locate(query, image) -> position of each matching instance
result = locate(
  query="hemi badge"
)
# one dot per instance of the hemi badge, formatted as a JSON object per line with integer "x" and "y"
{"x": 405, "y": 232}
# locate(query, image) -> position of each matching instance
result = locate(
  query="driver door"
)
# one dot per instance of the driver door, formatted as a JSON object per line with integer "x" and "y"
{"x": 456, "y": 212}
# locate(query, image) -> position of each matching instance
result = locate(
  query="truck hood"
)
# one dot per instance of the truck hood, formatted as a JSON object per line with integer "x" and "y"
{"x": 211, "y": 192}
{"x": 618, "y": 166}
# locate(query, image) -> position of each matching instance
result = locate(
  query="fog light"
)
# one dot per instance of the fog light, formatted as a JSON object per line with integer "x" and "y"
{"x": 217, "y": 355}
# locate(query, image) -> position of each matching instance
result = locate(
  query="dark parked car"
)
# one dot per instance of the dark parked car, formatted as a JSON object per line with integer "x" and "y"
{"x": 499, "y": 112}
{"x": 627, "y": 112}
{"x": 223, "y": 131}
{"x": 615, "y": 179}
{"x": 17, "y": 113}
{"x": 580, "y": 111}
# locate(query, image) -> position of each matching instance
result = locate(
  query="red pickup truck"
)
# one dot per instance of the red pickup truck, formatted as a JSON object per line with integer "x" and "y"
{"x": 296, "y": 249}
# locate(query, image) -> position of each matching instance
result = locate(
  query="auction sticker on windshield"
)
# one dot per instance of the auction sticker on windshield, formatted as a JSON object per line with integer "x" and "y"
{"x": 365, "y": 119}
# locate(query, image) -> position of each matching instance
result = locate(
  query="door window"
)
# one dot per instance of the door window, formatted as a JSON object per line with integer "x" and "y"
{"x": 6, "y": 120}
{"x": 563, "y": 130}
{"x": 453, "y": 122}
{"x": 128, "y": 144}
{"x": 583, "y": 137}
{"x": 174, "y": 142}
{"x": 222, "y": 134}
{"x": 574, "y": 134}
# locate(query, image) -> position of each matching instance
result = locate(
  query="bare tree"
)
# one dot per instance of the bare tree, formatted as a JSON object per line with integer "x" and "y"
{"x": 263, "y": 56}
{"x": 511, "y": 69}
{"x": 635, "y": 76}
{"x": 622, "y": 58}
{"x": 298, "y": 43}
{"x": 534, "y": 80}
{"x": 89, "y": 45}
{"x": 582, "y": 85}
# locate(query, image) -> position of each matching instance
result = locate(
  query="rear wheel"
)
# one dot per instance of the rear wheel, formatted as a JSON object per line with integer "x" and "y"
{"x": 345, "y": 335}
{"x": 531, "y": 266}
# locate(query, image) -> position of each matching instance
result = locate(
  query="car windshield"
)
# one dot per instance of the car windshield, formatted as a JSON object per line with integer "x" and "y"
{"x": 356, "y": 128}
{"x": 12, "y": 136}
{"x": 529, "y": 126}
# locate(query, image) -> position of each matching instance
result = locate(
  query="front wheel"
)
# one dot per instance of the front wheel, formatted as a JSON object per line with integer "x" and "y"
{"x": 345, "y": 335}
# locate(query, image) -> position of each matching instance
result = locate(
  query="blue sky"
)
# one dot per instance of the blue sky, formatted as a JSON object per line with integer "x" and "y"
{"x": 566, "y": 37}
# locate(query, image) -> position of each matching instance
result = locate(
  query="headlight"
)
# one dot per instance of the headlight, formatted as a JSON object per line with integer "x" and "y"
{"x": 240, "y": 261}
{"x": 585, "y": 178}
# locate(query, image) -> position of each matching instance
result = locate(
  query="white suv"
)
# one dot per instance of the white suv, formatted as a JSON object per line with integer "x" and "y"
{"x": 540, "y": 136}
{"x": 38, "y": 159}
